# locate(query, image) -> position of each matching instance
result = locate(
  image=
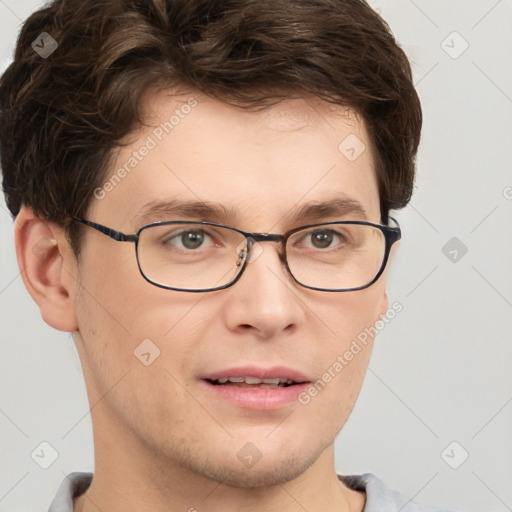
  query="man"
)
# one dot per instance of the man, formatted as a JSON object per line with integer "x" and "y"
{"x": 202, "y": 193}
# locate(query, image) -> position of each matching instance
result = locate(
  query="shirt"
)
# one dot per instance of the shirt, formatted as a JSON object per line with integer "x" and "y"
{"x": 379, "y": 498}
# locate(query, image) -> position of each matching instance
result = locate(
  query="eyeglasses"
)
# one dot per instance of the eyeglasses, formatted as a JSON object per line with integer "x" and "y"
{"x": 194, "y": 256}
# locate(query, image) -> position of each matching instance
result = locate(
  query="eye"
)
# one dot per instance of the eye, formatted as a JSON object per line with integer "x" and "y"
{"x": 323, "y": 238}
{"x": 189, "y": 239}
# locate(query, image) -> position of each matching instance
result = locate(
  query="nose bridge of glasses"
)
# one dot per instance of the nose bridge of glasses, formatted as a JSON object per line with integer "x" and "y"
{"x": 252, "y": 249}
{"x": 264, "y": 237}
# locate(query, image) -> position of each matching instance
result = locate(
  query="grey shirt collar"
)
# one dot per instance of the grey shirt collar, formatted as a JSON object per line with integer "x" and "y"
{"x": 379, "y": 498}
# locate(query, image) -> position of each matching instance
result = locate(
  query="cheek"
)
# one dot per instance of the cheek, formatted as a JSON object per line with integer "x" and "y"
{"x": 121, "y": 316}
{"x": 115, "y": 295}
{"x": 135, "y": 340}
{"x": 347, "y": 314}
{"x": 346, "y": 348}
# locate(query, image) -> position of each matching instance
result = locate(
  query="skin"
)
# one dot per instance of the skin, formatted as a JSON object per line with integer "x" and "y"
{"x": 161, "y": 442}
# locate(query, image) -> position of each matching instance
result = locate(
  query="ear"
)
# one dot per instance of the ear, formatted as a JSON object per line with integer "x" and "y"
{"x": 48, "y": 268}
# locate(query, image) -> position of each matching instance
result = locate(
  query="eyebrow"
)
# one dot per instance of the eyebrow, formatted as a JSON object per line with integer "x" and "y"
{"x": 164, "y": 210}
{"x": 317, "y": 211}
{"x": 338, "y": 207}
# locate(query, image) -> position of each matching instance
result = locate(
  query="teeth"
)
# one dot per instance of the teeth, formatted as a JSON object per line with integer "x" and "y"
{"x": 252, "y": 380}
{"x": 255, "y": 380}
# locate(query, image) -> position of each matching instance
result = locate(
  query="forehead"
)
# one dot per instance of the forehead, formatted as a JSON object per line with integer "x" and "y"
{"x": 305, "y": 112}
{"x": 268, "y": 161}
{"x": 297, "y": 112}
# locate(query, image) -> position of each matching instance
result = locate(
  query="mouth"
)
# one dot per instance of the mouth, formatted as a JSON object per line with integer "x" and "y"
{"x": 253, "y": 382}
{"x": 256, "y": 388}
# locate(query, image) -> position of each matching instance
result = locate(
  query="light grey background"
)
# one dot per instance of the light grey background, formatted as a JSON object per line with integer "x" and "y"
{"x": 440, "y": 372}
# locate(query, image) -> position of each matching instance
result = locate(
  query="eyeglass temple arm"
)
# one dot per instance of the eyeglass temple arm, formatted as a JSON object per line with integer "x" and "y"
{"x": 112, "y": 233}
{"x": 396, "y": 232}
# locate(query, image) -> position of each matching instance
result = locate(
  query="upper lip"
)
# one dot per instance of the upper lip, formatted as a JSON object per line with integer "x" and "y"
{"x": 274, "y": 372}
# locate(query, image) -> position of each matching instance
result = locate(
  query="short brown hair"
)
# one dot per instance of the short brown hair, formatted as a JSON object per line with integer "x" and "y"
{"x": 61, "y": 116}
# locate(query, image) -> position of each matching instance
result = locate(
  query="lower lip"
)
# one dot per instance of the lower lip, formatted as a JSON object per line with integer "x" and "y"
{"x": 264, "y": 399}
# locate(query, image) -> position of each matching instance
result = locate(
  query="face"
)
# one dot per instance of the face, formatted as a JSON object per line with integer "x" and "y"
{"x": 262, "y": 168}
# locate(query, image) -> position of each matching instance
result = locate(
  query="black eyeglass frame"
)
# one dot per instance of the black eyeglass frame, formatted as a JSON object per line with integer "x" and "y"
{"x": 391, "y": 235}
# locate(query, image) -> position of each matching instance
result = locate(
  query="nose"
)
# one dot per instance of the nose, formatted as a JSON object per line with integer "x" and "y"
{"x": 265, "y": 301}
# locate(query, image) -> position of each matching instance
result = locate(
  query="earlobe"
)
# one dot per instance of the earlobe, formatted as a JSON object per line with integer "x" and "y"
{"x": 47, "y": 267}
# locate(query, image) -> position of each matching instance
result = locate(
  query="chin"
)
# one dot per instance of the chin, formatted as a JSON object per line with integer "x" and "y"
{"x": 267, "y": 473}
